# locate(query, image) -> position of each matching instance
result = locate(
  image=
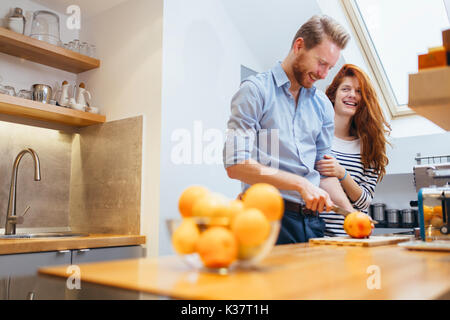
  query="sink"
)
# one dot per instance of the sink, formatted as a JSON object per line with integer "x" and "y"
{"x": 43, "y": 235}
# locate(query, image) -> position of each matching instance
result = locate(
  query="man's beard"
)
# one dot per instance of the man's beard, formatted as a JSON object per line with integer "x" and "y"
{"x": 300, "y": 74}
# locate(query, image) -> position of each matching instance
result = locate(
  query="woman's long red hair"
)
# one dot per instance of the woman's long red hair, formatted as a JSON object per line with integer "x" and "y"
{"x": 368, "y": 123}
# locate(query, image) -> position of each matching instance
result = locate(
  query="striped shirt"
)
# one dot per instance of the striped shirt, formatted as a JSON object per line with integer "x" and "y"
{"x": 348, "y": 154}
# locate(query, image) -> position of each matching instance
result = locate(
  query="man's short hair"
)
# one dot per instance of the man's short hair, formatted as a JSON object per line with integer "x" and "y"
{"x": 317, "y": 27}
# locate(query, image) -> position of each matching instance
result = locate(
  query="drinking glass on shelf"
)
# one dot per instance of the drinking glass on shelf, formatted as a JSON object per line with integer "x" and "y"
{"x": 76, "y": 45}
{"x": 84, "y": 48}
{"x": 2, "y": 91}
{"x": 9, "y": 90}
{"x": 92, "y": 51}
{"x": 25, "y": 94}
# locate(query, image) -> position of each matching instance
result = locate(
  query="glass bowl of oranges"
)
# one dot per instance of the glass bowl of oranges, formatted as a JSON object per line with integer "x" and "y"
{"x": 217, "y": 234}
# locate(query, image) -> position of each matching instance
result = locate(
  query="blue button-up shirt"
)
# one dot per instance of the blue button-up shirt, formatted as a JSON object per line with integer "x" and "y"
{"x": 267, "y": 126}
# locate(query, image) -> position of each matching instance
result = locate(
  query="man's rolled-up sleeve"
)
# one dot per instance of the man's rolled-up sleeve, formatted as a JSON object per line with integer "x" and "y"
{"x": 243, "y": 125}
{"x": 325, "y": 137}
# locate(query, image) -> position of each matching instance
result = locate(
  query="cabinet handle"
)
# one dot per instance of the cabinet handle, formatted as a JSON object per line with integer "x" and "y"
{"x": 84, "y": 250}
{"x": 63, "y": 251}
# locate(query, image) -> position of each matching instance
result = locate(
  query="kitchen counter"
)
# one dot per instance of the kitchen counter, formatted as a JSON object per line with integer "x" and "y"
{"x": 299, "y": 271}
{"x": 12, "y": 246}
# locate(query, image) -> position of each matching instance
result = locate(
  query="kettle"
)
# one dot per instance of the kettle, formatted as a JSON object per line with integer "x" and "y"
{"x": 64, "y": 97}
{"x": 81, "y": 100}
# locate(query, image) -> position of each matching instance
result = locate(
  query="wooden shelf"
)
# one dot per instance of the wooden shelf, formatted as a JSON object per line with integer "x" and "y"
{"x": 36, "y": 110}
{"x": 21, "y": 46}
{"x": 429, "y": 95}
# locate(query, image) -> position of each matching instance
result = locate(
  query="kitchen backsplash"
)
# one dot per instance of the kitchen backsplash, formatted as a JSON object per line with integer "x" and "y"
{"x": 90, "y": 181}
{"x": 48, "y": 198}
{"x": 396, "y": 191}
{"x": 105, "y": 191}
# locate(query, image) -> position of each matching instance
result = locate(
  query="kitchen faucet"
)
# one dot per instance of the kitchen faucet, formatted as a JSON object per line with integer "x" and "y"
{"x": 11, "y": 218}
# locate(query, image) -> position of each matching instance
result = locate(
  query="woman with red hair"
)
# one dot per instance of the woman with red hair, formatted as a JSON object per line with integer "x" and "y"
{"x": 359, "y": 146}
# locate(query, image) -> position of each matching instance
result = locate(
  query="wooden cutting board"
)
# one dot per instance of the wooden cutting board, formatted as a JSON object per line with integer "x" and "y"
{"x": 373, "y": 241}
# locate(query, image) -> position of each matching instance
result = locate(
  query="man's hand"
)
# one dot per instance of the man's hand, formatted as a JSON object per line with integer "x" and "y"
{"x": 316, "y": 199}
{"x": 330, "y": 167}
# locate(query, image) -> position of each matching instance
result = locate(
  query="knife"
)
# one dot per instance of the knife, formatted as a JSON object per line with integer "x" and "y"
{"x": 345, "y": 213}
{"x": 340, "y": 210}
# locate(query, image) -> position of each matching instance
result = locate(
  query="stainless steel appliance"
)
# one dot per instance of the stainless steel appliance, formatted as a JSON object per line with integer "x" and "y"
{"x": 432, "y": 183}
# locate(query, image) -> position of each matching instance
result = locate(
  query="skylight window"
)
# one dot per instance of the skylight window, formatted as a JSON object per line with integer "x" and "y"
{"x": 392, "y": 34}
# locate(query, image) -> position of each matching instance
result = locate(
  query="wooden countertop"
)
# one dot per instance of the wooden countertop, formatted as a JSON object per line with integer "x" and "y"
{"x": 300, "y": 271}
{"x": 12, "y": 246}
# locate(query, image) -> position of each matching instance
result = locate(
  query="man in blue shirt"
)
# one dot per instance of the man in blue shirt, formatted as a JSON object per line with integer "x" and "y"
{"x": 280, "y": 125}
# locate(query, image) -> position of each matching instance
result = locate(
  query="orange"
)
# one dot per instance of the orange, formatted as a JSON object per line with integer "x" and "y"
{"x": 225, "y": 212}
{"x": 185, "y": 237}
{"x": 427, "y": 213}
{"x": 251, "y": 227}
{"x": 234, "y": 208}
{"x": 188, "y": 198}
{"x": 217, "y": 247}
{"x": 437, "y": 211}
{"x": 248, "y": 252}
{"x": 266, "y": 198}
{"x": 437, "y": 222}
{"x": 358, "y": 225}
{"x": 210, "y": 205}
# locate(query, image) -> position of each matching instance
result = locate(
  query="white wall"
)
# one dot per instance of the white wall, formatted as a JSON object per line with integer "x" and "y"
{"x": 403, "y": 151}
{"x": 20, "y": 73}
{"x": 128, "y": 83}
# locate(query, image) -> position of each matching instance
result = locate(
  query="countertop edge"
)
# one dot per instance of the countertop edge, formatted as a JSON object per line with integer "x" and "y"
{"x": 18, "y": 246}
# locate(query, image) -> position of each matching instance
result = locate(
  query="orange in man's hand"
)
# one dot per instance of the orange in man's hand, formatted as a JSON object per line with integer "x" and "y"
{"x": 358, "y": 225}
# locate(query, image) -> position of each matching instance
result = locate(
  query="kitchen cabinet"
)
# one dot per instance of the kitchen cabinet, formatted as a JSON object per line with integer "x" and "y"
{"x": 429, "y": 95}
{"x": 106, "y": 254}
{"x": 18, "y": 271}
{"x": 27, "y": 263}
{"x": 39, "y": 287}
{"x": 32, "y": 288}
{"x": 17, "y": 274}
